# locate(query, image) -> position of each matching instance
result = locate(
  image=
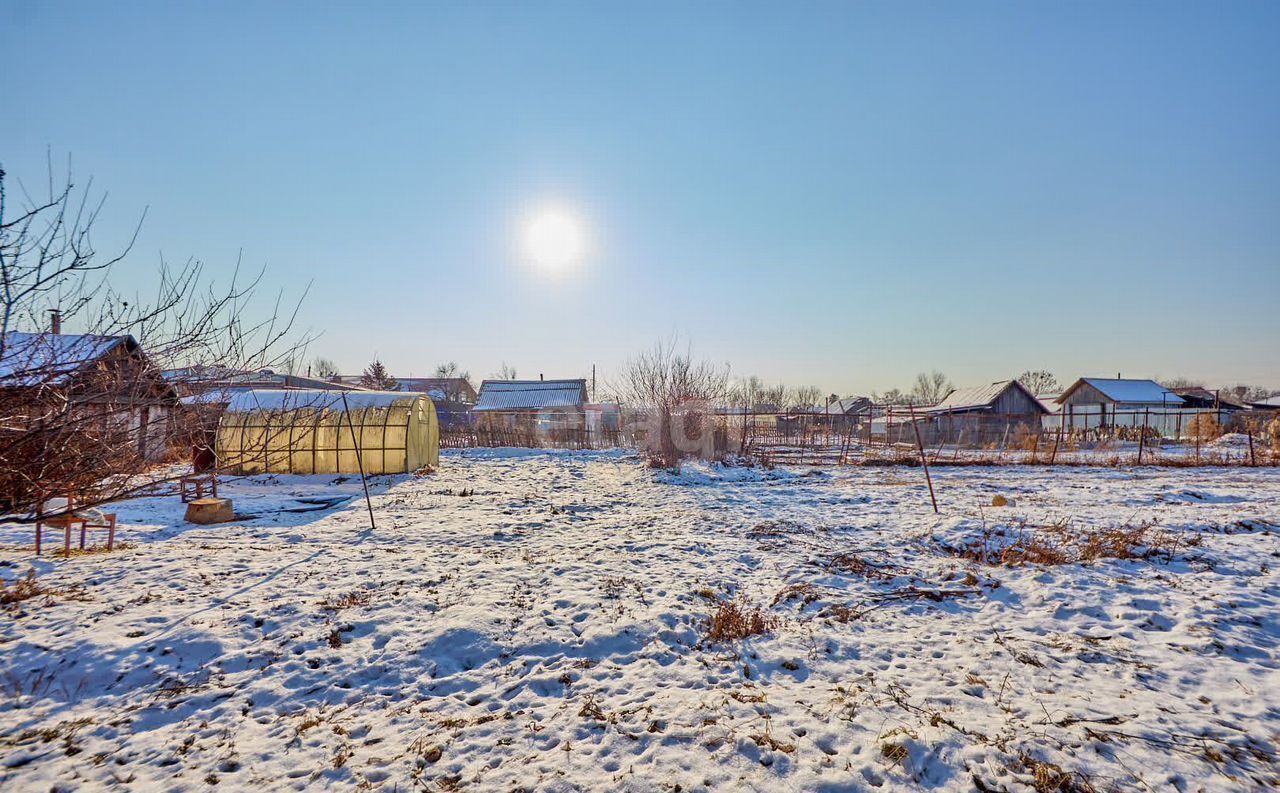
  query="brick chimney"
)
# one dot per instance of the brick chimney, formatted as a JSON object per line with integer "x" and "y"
{"x": 55, "y": 321}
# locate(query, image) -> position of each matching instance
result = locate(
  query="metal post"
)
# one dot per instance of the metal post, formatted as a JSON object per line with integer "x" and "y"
{"x": 923, "y": 462}
{"x": 359, "y": 458}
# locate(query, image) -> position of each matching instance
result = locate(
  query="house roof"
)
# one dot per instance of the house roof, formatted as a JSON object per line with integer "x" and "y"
{"x": 1197, "y": 394}
{"x": 853, "y": 404}
{"x": 281, "y": 399}
{"x": 219, "y": 377}
{"x": 1142, "y": 392}
{"x": 531, "y": 394}
{"x": 32, "y": 359}
{"x": 1269, "y": 402}
{"x": 981, "y": 397}
{"x": 438, "y": 388}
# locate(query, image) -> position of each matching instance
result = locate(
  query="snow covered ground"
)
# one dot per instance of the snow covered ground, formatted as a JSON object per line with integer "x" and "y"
{"x": 534, "y": 620}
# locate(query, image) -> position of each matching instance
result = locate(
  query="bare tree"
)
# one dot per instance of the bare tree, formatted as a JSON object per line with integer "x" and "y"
{"x": 748, "y": 398}
{"x": 376, "y": 377}
{"x": 1247, "y": 393}
{"x": 931, "y": 387}
{"x": 85, "y": 412}
{"x": 505, "y": 372}
{"x": 1039, "y": 381}
{"x": 678, "y": 395}
{"x": 893, "y": 396}
{"x": 324, "y": 368}
{"x": 806, "y": 397}
{"x": 454, "y": 389}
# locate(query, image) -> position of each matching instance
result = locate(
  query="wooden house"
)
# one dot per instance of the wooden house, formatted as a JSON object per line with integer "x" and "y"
{"x": 1101, "y": 402}
{"x": 554, "y": 407}
{"x": 100, "y": 385}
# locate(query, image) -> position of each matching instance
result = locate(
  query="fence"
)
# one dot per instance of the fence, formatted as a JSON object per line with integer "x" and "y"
{"x": 893, "y": 434}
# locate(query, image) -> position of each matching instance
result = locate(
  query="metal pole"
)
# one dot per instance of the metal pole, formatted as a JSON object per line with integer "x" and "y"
{"x": 359, "y": 458}
{"x": 923, "y": 461}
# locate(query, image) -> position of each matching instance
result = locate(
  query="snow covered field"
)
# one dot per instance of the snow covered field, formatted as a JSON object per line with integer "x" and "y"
{"x": 532, "y": 620}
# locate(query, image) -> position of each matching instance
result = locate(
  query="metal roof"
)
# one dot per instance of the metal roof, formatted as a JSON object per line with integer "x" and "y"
{"x": 32, "y": 359}
{"x": 1141, "y": 392}
{"x": 531, "y": 394}
{"x": 979, "y": 397}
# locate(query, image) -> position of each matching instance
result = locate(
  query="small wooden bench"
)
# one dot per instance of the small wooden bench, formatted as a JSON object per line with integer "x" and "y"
{"x": 65, "y": 516}
{"x": 192, "y": 486}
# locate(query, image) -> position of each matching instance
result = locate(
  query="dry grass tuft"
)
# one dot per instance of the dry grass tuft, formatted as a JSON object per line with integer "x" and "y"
{"x": 21, "y": 589}
{"x": 345, "y": 601}
{"x": 855, "y": 565}
{"x": 1050, "y": 778}
{"x": 1059, "y": 544}
{"x": 736, "y": 620}
{"x": 806, "y": 593}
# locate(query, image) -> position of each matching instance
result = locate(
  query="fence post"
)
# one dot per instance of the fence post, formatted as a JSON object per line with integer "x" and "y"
{"x": 923, "y": 462}
{"x": 1142, "y": 438}
{"x": 1252, "y": 460}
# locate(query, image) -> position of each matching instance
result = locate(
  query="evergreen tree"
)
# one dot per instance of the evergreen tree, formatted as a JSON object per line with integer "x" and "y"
{"x": 377, "y": 377}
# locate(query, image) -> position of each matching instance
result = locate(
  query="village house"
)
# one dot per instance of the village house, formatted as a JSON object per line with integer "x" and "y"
{"x": 105, "y": 385}
{"x": 532, "y": 406}
{"x": 1093, "y": 402}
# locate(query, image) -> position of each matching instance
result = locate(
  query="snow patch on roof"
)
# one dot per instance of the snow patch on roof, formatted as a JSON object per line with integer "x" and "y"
{"x": 32, "y": 359}
{"x": 1140, "y": 391}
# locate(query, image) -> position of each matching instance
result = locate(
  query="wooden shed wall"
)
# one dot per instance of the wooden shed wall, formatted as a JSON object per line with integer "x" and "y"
{"x": 1087, "y": 395}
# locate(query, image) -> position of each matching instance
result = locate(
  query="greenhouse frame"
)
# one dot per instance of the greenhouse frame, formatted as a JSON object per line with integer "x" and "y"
{"x": 316, "y": 432}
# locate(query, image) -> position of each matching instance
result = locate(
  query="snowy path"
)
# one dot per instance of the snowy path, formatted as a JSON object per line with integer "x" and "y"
{"x": 546, "y": 632}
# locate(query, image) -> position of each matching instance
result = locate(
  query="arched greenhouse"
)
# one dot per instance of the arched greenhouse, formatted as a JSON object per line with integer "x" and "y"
{"x": 328, "y": 432}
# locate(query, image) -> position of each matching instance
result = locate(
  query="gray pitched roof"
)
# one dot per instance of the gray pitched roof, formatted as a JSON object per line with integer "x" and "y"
{"x": 1142, "y": 392}
{"x": 980, "y": 397}
{"x": 32, "y": 359}
{"x": 531, "y": 394}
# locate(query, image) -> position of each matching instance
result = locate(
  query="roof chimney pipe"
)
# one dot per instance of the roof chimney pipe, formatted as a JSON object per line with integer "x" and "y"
{"x": 540, "y": 376}
{"x": 55, "y": 321}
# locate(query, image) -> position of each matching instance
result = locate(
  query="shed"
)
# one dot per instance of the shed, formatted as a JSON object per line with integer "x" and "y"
{"x": 983, "y": 414}
{"x": 328, "y": 432}
{"x": 532, "y": 404}
{"x": 1203, "y": 398}
{"x": 1100, "y": 402}
{"x": 102, "y": 387}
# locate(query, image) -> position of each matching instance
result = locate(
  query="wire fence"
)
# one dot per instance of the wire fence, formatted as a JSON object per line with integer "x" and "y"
{"x": 891, "y": 434}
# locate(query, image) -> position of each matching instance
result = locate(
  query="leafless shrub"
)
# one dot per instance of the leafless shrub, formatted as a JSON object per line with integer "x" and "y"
{"x": 1203, "y": 427}
{"x": 21, "y": 589}
{"x": 87, "y": 413}
{"x": 676, "y": 396}
{"x": 734, "y": 620}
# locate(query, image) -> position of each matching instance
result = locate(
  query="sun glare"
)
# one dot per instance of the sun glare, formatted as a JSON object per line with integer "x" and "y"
{"x": 554, "y": 238}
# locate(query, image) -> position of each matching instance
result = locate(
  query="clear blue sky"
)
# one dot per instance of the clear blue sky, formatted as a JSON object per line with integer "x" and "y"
{"x": 840, "y": 194}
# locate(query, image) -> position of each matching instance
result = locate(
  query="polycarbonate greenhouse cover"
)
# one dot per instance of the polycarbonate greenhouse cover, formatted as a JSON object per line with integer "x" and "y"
{"x": 272, "y": 399}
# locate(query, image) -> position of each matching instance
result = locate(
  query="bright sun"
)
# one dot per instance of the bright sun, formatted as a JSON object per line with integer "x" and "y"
{"x": 554, "y": 238}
